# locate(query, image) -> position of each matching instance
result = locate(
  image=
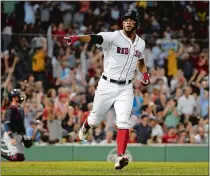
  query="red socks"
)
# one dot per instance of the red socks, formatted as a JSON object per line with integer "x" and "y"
{"x": 122, "y": 140}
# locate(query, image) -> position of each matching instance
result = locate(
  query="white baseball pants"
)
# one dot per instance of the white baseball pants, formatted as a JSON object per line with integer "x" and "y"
{"x": 109, "y": 95}
{"x": 14, "y": 149}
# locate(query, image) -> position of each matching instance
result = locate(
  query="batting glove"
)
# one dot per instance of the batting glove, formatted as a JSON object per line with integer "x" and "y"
{"x": 71, "y": 39}
{"x": 146, "y": 79}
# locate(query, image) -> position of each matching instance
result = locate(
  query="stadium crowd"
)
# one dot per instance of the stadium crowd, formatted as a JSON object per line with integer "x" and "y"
{"x": 59, "y": 82}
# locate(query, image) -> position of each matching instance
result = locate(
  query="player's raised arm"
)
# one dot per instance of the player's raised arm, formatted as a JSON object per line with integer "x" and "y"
{"x": 93, "y": 39}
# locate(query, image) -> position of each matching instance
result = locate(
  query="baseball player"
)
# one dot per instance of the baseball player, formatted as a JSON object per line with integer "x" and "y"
{"x": 14, "y": 129}
{"x": 122, "y": 54}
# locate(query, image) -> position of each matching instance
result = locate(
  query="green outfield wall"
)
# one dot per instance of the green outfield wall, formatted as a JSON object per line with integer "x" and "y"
{"x": 155, "y": 153}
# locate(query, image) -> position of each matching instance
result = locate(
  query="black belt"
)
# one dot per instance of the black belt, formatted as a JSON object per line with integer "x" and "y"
{"x": 116, "y": 81}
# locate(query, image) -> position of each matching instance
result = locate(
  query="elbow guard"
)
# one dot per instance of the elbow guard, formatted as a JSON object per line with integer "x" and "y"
{"x": 96, "y": 39}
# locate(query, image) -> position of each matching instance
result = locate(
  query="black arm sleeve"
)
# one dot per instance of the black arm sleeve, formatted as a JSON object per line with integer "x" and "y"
{"x": 96, "y": 39}
{"x": 8, "y": 115}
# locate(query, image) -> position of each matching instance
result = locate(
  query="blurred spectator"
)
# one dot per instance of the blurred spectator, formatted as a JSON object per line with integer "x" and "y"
{"x": 170, "y": 137}
{"x": 149, "y": 56}
{"x": 69, "y": 121}
{"x": 70, "y": 57}
{"x": 56, "y": 14}
{"x": 45, "y": 15}
{"x": 86, "y": 113}
{"x": 182, "y": 137}
{"x": 132, "y": 137}
{"x": 7, "y": 35}
{"x": 157, "y": 130}
{"x": 28, "y": 115}
{"x": 147, "y": 110}
{"x": 171, "y": 115}
{"x": 29, "y": 13}
{"x": 78, "y": 18}
{"x": 155, "y": 26}
{"x": 201, "y": 69}
{"x": 99, "y": 134}
{"x": 201, "y": 137}
{"x": 63, "y": 74}
{"x": 60, "y": 32}
{"x": 203, "y": 102}
{"x": 143, "y": 130}
{"x": 115, "y": 13}
{"x": 190, "y": 132}
{"x": 137, "y": 102}
{"x": 172, "y": 64}
{"x": 108, "y": 139}
{"x": 186, "y": 105}
{"x": 90, "y": 93}
{"x": 38, "y": 61}
{"x": 34, "y": 131}
{"x": 160, "y": 102}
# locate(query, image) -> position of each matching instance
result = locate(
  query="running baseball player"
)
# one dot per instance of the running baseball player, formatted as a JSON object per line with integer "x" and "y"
{"x": 123, "y": 52}
{"x": 14, "y": 135}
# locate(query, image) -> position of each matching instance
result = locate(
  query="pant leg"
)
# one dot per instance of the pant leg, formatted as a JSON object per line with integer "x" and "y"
{"x": 13, "y": 149}
{"x": 123, "y": 107}
{"x": 104, "y": 98}
{"x": 20, "y": 145}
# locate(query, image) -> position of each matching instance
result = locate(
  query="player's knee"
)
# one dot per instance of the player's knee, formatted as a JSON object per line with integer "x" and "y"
{"x": 93, "y": 123}
{"x": 123, "y": 125}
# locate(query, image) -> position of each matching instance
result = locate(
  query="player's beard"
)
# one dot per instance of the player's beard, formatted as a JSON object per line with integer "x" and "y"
{"x": 129, "y": 32}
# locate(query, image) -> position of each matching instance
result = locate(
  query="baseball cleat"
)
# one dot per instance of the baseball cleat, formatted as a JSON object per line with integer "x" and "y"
{"x": 4, "y": 153}
{"x": 83, "y": 132}
{"x": 4, "y": 150}
{"x": 121, "y": 162}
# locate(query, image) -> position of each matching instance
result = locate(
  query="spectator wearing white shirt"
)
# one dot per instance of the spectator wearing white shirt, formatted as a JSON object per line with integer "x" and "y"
{"x": 157, "y": 131}
{"x": 29, "y": 13}
{"x": 186, "y": 105}
{"x": 201, "y": 137}
{"x": 7, "y": 35}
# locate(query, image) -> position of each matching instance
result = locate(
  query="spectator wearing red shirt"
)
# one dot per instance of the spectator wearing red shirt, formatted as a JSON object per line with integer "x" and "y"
{"x": 48, "y": 110}
{"x": 201, "y": 69}
{"x": 170, "y": 137}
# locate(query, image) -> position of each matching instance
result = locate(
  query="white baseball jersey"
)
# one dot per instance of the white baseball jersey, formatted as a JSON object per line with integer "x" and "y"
{"x": 120, "y": 54}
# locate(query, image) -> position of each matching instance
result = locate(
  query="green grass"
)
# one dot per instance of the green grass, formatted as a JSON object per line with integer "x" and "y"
{"x": 102, "y": 168}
